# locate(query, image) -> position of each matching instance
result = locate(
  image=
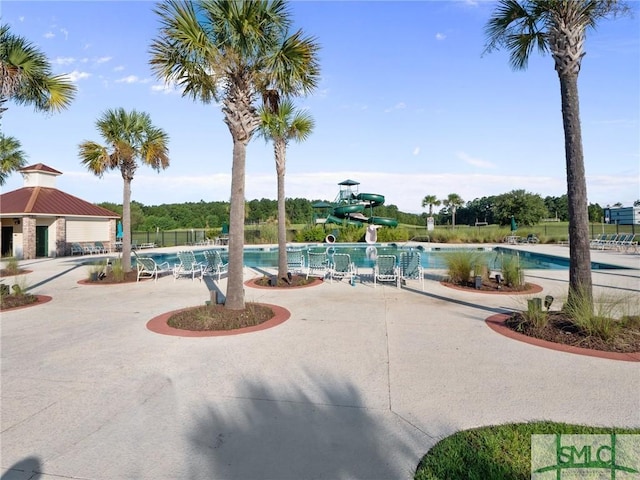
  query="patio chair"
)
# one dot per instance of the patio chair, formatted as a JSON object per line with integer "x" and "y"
{"x": 342, "y": 267}
{"x": 386, "y": 270}
{"x": 188, "y": 266}
{"x": 148, "y": 268}
{"x": 77, "y": 248}
{"x": 100, "y": 248}
{"x": 411, "y": 267}
{"x": 295, "y": 261}
{"x": 318, "y": 264}
{"x": 215, "y": 265}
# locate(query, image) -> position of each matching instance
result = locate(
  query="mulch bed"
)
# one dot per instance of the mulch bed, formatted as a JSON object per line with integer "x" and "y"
{"x": 109, "y": 279}
{"x": 296, "y": 281}
{"x": 5, "y": 273}
{"x": 14, "y": 302}
{"x": 560, "y": 329}
{"x": 491, "y": 286}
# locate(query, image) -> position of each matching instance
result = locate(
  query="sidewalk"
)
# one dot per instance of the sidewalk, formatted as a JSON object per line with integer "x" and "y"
{"x": 358, "y": 384}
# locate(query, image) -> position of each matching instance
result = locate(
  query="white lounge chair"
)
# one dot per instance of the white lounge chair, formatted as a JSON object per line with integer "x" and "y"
{"x": 318, "y": 264}
{"x": 342, "y": 267}
{"x": 411, "y": 267}
{"x": 295, "y": 261}
{"x": 188, "y": 266}
{"x": 386, "y": 270}
{"x": 215, "y": 265}
{"x": 148, "y": 268}
{"x": 77, "y": 248}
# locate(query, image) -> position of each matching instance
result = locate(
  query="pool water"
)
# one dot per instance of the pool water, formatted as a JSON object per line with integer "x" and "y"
{"x": 364, "y": 256}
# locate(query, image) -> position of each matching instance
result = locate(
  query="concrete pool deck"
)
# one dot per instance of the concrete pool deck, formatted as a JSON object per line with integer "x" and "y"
{"x": 358, "y": 383}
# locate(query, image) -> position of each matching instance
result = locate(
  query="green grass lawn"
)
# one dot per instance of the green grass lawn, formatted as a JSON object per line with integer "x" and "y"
{"x": 501, "y": 452}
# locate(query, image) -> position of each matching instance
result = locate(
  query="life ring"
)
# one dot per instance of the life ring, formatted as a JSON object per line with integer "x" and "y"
{"x": 330, "y": 239}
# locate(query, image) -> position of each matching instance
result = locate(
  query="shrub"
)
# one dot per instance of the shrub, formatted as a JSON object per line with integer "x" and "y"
{"x": 535, "y": 314}
{"x": 12, "y": 267}
{"x": 117, "y": 270}
{"x": 599, "y": 317}
{"x": 460, "y": 265}
{"x": 316, "y": 233}
{"x": 512, "y": 271}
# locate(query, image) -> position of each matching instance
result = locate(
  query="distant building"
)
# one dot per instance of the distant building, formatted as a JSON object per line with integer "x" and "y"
{"x": 38, "y": 220}
{"x": 622, "y": 215}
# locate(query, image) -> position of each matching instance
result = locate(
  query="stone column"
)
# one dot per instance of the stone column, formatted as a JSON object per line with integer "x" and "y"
{"x": 28, "y": 238}
{"x": 61, "y": 237}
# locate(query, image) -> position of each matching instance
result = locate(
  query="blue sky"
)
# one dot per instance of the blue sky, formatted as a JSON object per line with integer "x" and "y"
{"x": 407, "y": 105}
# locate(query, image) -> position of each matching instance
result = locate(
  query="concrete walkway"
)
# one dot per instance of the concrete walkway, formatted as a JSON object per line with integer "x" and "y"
{"x": 358, "y": 384}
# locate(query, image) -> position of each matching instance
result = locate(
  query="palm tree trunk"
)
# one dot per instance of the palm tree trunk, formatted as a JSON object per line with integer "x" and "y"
{"x": 235, "y": 285}
{"x": 280, "y": 152}
{"x": 579, "y": 253}
{"x": 126, "y": 224}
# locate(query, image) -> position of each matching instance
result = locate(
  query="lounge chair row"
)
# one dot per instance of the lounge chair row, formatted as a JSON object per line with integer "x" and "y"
{"x": 188, "y": 266}
{"x": 387, "y": 268}
{"x": 623, "y": 242}
{"x": 90, "y": 248}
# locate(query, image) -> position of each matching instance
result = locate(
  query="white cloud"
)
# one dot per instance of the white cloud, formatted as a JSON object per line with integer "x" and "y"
{"x": 65, "y": 32}
{"x": 167, "y": 89}
{"x": 416, "y": 150}
{"x": 119, "y": 68}
{"x": 132, "y": 79}
{"x": 64, "y": 60}
{"x": 102, "y": 60}
{"x": 476, "y": 162}
{"x": 397, "y": 106}
{"x": 77, "y": 75}
{"x": 49, "y": 35}
{"x": 440, "y": 36}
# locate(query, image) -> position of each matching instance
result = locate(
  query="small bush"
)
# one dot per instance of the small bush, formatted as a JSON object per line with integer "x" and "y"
{"x": 512, "y": 272}
{"x": 460, "y": 265}
{"x": 117, "y": 270}
{"x": 11, "y": 267}
{"x": 535, "y": 314}
{"x": 599, "y": 317}
{"x": 316, "y": 233}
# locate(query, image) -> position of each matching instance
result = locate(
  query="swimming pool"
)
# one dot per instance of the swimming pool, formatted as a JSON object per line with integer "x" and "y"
{"x": 431, "y": 257}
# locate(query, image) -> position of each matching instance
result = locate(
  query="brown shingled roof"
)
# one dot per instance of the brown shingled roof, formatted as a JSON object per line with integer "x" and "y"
{"x": 41, "y": 167}
{"x": 49, "y": 201}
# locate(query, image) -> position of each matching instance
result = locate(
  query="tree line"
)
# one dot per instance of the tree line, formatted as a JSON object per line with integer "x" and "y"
{"x": 527, "y": 208}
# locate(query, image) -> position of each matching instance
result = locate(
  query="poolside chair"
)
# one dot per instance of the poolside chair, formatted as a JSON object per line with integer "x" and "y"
{"x": 295, "y": 261}
{"x": 148, "y": 268}
{"x": 188, "y": 266}
{"x": 77, "y": 248}
{"x": 386, "y": 270}
{"x": 318, "y": 264}
{"x": 411, "y": 267}
{"x": 215, "y": 265}
{"x": 531, "y": 238}
{"x": 342, "y": 267}
{"x": 100, "y": 248}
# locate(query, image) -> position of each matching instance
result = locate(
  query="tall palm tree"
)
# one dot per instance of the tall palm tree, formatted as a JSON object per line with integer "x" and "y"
{"x": 430, "y": 201}
{"x": 25, "y": 76}
{"x": 129, "y": 136}
{"x": 453, "y": 201}
{"x": 235, "y": 53}
{"x": 559, "y": 27}
{"x": 11, "y": 157}
{"x": 282, "y": 125}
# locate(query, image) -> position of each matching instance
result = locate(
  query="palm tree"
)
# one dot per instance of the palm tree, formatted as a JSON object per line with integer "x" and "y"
{"x": 430, "y": 201}
{"x": 559, "y": 27}
{"x": 25, "y": 76}
{"x": 11, "y": 157}
{"x": 282, "y": 125}
{"x": 453, "y": 201}
{"x": 129, "y": 136}
{"x": 234, "y": 53}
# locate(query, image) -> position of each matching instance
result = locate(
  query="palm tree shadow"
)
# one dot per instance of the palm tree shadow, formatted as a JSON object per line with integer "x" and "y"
{"x": 284, "y": 433}
{"x": 28, "y": 468}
